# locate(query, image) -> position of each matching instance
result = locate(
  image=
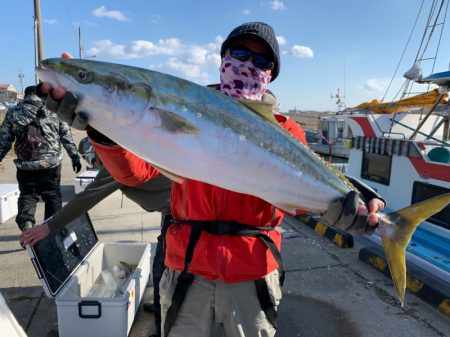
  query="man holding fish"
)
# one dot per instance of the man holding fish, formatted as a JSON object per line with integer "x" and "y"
{"x": 224, "y": 268}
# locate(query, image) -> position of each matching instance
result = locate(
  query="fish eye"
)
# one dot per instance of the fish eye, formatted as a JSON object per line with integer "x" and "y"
{"x": 85, "y": 76}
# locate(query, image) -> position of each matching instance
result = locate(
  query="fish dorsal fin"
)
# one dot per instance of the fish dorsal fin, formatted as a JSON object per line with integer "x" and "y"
{"x": 396, "y": 230}
{"x": 262, "y": 108}
{"x": 168, "y": 174}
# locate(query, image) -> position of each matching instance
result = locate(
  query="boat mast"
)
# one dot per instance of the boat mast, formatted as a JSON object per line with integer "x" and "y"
{"x": 435, "y": 21}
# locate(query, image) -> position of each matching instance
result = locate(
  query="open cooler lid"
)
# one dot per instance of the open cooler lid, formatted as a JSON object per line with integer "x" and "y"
{"x": 57, "y": 256}
{"x": 7, "y": 189}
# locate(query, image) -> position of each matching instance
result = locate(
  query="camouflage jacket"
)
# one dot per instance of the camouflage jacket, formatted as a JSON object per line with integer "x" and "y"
{"x": 55, "y": 132}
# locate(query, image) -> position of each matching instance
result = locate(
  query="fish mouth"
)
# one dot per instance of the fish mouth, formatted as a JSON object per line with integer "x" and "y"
{"x": 46, "y": 75}
{"x": 47, "y": 72}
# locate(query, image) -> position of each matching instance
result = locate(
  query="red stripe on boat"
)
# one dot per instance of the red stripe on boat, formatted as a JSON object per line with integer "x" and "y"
{"x": 430, "y": 170}
{"x": 365, "y": 126}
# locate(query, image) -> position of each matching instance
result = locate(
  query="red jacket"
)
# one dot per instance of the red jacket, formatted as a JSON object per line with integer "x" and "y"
{"x": 230, "y": 258}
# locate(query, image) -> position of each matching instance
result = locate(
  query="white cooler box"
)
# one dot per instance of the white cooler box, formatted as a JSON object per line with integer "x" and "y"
{"x": 9, "y": 194}
{"x": 71, "y": 264}
{"x": 84, "y": 179}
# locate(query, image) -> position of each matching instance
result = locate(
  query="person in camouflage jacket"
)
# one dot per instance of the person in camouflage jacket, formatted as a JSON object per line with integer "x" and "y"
{"x": 37, "y": 134}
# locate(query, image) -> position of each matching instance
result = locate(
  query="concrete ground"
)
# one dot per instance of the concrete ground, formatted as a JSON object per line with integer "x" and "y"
{"x": 328, "y": 291}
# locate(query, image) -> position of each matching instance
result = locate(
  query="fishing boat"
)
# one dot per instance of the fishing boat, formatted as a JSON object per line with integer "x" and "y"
{"x": 402, "y": 150}
{"x": 332, "y": 138}
{"x": 407, "y": 165}
{"x": 332, "y": 135}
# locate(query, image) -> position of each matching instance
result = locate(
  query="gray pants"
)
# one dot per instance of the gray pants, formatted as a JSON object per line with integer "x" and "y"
{"x": 215, "y": 308}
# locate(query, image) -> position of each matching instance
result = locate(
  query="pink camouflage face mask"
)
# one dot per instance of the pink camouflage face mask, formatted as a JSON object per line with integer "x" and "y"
{"x": 241, "y": 79}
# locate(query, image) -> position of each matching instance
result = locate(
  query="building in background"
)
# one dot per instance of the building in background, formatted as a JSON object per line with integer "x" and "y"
{"x": 8, "y": 94}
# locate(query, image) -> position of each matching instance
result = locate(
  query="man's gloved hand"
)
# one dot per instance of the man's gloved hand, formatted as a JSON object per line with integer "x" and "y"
{"x": 343, "y": 213}
{"x": 65, "y": 109}
{"x": 351, "y": 215}
{"x": 76, "y": 165}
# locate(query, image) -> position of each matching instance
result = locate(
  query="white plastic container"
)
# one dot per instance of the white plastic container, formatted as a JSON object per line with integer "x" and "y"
{"x": 84, "y": 179}
{"x": 9, "y": 194}
{"x": 70, "y": 263}
{"x": 8, "y": 323}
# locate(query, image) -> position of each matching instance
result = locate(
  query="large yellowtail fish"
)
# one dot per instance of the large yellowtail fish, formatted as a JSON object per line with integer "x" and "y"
{"x": 187, "y": 130}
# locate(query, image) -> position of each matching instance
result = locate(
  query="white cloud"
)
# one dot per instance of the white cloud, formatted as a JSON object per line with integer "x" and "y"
{"x": 277, "y": 5}
{"x": 50, "y": 21}
{"x": 375, "y": 86}
{"x": 108, "y": 48}
{"x": 184, "y": 69}
{"x": 246, "y": 11}
{"x": 103, "y": 12}
{"x": 142, "y": 48}
{"x": 137, "y": 49}
{"x": 188, "y": 61}
{"x": 301, "y": 51}
{"x": 281, "y": 40}
{"x": 217, "y": 44}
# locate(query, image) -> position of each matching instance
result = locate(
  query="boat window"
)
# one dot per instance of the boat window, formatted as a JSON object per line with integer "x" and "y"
{"x": 376, "y": 167}
{"x": 340, "y": 129}
{"x": 324, "y": 127}
{"x": 423, "y": 191}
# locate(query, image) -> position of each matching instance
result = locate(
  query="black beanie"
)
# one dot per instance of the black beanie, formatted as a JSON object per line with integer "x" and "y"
{"x": 258, "y": 31}
{"x": 30, "y": 90}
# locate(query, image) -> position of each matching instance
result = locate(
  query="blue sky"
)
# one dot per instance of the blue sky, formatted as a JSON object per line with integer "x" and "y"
{"x": 354, "y": 45}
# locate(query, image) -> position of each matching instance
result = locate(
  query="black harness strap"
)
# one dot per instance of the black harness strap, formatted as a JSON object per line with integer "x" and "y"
{"x": 185, "y": 279}
{"x": 183, "y": 282}
{"x": 262, "y": 291}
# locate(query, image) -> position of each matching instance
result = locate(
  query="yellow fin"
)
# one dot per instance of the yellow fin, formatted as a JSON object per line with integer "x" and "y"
{"x": 396, "y": 230}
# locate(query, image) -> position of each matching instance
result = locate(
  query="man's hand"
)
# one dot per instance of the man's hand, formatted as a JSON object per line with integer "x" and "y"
{"x": 350, "y": 215}
{"x": 63, "y": 103}
{"x": 34, "y": 235}
{"x": 76, "y": 165}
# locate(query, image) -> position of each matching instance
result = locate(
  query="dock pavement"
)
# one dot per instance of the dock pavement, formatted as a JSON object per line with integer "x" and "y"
{"x": 328, "y": 291}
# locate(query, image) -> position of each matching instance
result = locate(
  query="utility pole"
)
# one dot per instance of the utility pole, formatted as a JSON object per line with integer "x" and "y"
{"x": 80, "y": 43}
{"x": 21, "y": 77}
{"x": 38, "y": 41}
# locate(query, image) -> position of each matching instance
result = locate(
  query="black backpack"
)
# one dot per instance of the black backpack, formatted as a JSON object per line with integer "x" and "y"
{"x": 30, "y": 140}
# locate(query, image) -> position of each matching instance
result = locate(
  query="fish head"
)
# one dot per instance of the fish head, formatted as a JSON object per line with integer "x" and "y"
{"x": 111, "y": 95}
{"x": 66, "y": 73}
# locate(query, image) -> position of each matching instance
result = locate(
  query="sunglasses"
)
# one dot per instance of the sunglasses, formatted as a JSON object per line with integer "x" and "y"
{"x": 259, "y": 60}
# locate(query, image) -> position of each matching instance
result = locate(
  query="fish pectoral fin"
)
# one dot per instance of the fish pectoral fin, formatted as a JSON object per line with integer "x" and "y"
{"x": 168, "y": 174}
{"x": 175, "y": 123}
{"x": 396, "y": 230}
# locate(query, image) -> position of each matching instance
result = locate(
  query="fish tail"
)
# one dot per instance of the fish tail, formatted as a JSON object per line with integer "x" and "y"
{"x": 396, "y": 230}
